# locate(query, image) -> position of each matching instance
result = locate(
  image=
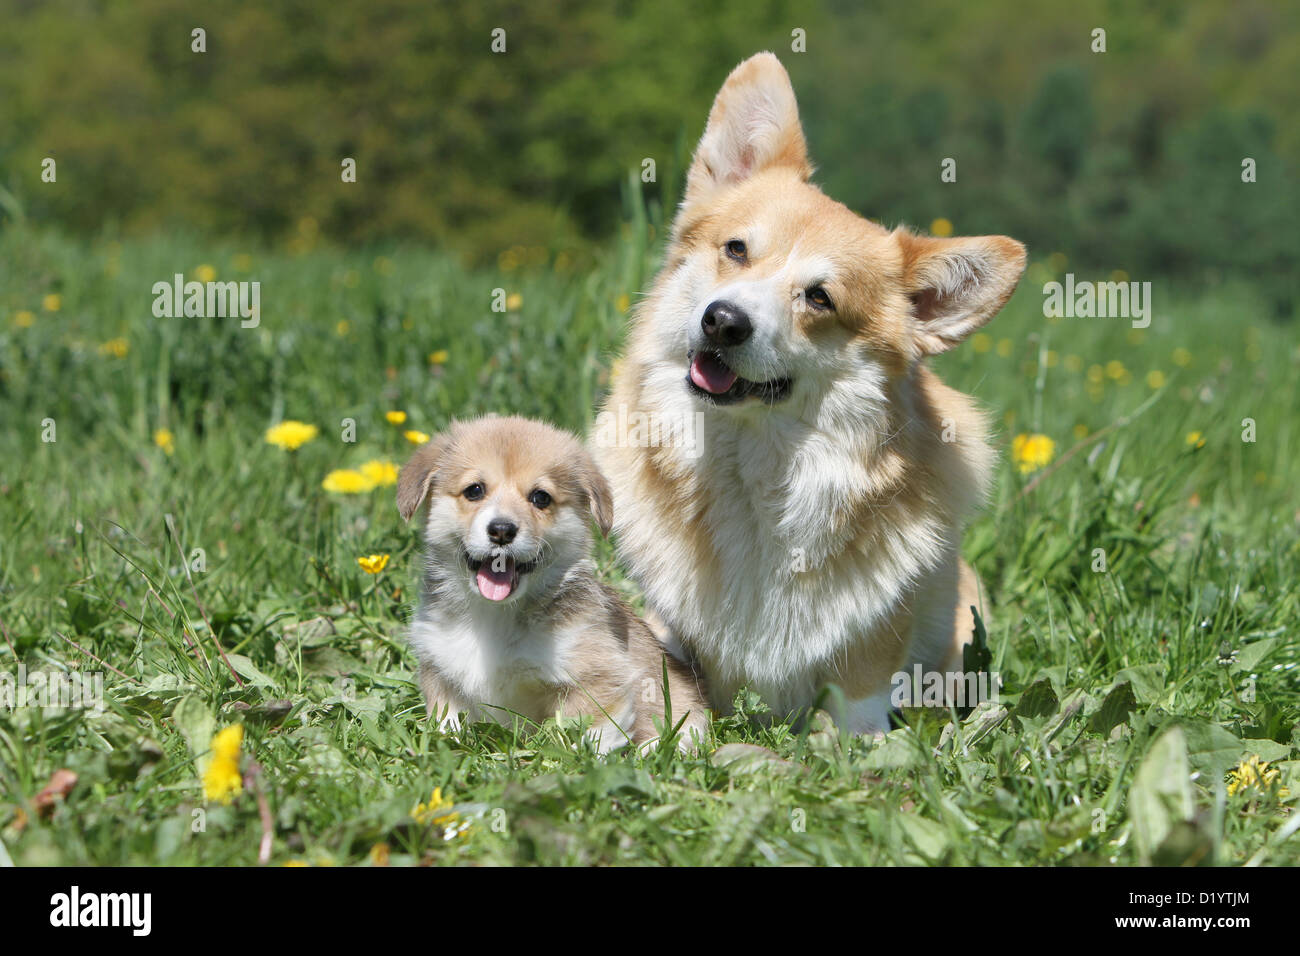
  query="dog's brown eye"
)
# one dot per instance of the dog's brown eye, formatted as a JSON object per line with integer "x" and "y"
{"x": 737, "y": 250}
{"x": 818, "y": 297}
{"x": 540, "y": 499}
{"x": 474, "y": 492}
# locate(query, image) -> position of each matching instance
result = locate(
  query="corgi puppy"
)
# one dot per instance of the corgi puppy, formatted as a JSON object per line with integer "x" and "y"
{"x": 798, "y": 522}
{"x": 511, "y": 618}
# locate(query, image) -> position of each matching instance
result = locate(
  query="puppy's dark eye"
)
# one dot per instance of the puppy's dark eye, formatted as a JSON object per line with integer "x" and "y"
{"x": 540, "y": 499}
{"x": 737, "y": 250}
{"x": 818, "y": 298}
{"x": 474, "y": 492}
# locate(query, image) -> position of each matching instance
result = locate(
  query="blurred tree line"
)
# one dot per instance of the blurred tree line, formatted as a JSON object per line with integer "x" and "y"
{"x": 1129, "y": 159}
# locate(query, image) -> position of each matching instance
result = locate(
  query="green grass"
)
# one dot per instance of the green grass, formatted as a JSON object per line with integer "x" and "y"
{"x": 1191, "y": 627}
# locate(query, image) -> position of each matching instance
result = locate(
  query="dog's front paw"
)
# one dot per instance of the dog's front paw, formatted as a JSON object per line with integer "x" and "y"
{"x": 867, "y": 716}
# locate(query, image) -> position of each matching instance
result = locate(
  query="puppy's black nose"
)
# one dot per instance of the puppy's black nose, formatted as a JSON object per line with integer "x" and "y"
{"x": 725, "y": 324}
{"x": 502, "y": 530}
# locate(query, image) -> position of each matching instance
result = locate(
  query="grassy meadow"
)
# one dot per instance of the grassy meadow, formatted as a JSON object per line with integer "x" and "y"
{"x": 161, "y": 540}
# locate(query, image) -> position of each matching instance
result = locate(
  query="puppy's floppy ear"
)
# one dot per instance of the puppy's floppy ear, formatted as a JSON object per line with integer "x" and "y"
{"x": 416, "y": 478}
{"x": 600, "y": 499}
{"x": 754, "y": 124}
{"x": 957, "y": 285}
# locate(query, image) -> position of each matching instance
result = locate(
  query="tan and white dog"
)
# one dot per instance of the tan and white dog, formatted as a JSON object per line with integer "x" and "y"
{"x": 809, "y": 530}
{"x": 511, "y": 618}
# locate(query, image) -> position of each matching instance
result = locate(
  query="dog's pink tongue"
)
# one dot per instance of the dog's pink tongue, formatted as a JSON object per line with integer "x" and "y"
{"x": 496, "y": 585}
{"x": 708, "y": 372}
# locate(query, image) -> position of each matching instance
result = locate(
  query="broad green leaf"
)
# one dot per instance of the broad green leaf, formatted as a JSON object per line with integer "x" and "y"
{"x": 246, "y": 669}
{"x": 193, "y": 718}
{"x": 1161, "y": 794}
{"x": 1114, "y": 710}
{"x": 1038, "y": 700}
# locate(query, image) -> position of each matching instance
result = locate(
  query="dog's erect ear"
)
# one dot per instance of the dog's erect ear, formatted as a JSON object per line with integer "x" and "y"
{"x": 416, "y": 478}
{"x": 956, "y": 285}
{"x": 754, "y": 124}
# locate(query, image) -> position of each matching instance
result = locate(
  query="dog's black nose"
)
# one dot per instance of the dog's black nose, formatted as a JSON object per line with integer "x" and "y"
{"x": 725, "y": 324}
{"x": 502, "y": 530}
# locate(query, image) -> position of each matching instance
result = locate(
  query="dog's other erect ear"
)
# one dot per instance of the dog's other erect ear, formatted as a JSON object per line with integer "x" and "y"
{"x": 754, "y": 124}
{"x": 956, "y": 285}
{"x": 416, "y": 478}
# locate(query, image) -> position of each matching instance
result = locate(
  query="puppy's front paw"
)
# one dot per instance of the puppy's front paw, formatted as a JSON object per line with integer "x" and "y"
{"x": 867, "y": 716}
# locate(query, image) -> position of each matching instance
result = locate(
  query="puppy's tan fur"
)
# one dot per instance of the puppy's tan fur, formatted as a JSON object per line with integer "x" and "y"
{"x": 813, "y": 539}
{"x": 562, "y": 642}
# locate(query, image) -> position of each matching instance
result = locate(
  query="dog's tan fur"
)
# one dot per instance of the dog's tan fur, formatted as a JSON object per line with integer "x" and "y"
{"x": 872, "y": 491}
{"x": 566, "y": 644}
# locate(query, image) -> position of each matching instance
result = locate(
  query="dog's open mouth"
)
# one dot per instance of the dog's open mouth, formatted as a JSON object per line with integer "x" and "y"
{"x": 497, "y": 576}
{"x": 711, "y": 378}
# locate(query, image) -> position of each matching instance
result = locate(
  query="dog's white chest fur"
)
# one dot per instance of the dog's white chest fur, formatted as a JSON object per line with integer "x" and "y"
{"x": 793, "y": 584}
{"x": 490, "y": 656}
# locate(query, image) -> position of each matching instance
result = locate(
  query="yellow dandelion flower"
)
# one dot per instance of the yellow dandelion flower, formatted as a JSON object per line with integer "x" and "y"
{"x": 117, "y": 348}
{"x": 982, "y": 342}
{"x": 24, "y": 319}
{"x": 1053, "y": 359}
{"x": 416, "y": 437}
{"x": 1182, "y": 358}
{"x": 623, "y": 302}
{"x": 291, "y": 435}
{"x": 342, "y": 327}
{"x": 1032, "y": 452}
{"x": 434, "y": 810}
{"x": 347, "y": 481}
{"x": 164, "y": 439}
{"x": 379, "y": 854}
{"x": 1115, "y": 369}
{"x": 373, "y": 563}
{"x": 205, "y": 273}
{"x": 1195, "y": 440}
{"x": 221, "y": 780}
{"x": 438, "y": 812}
{"x": 52, "y": 302}
{"x": 941, "y": 227}
{"x": 1255, "y": 774}
{"x": 395, "y": 418}
{"x": 1004, "y": 347}
{"x": 382, "y": 473}
{"x": 514, "y": 301}
{"x": 439, "y": 357}
{"x": 1096, "y": 374}
{"x": 1156, "y": 378}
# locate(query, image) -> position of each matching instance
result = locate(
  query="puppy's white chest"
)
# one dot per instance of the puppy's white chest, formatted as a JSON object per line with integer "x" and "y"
{"x": 491, "y": 663}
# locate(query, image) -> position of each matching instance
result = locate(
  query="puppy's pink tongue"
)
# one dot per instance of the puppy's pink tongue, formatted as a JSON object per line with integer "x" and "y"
{"x": 708, "y": 373}
{"x": 496, "y": 585}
